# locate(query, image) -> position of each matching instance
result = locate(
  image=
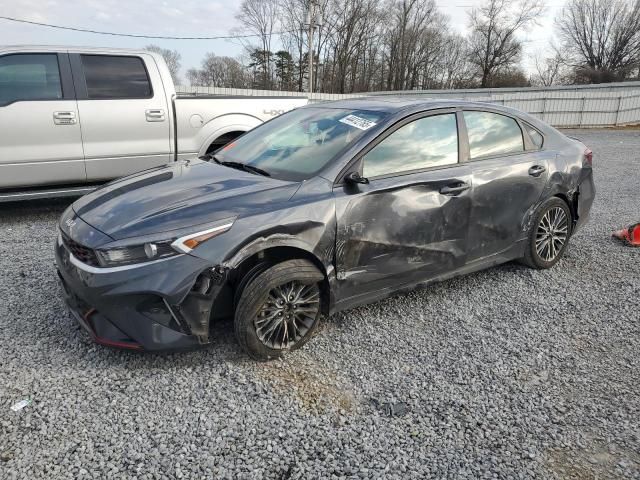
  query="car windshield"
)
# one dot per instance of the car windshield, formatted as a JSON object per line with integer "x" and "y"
{"x": 298, "y": 144}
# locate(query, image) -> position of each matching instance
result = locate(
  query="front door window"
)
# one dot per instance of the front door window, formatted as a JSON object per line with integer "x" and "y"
{"x": 424, "y": 143}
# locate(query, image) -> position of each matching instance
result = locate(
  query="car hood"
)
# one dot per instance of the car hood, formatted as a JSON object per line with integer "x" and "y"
{"x": 184, "y": 194}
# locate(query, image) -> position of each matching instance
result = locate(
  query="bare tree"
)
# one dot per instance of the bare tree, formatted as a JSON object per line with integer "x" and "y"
{"x": 261, "y": 17}
{"x": 193, "y": 77}
{"x": 493, "y": 44}
{"x": 369, "y": 45}
{"x": 292, "y": 16}
{"x": 601, "y": 38}
{"x": 513, "y": 77}
{"x": 412, "y": 41}
{"x": 432, "y": 46}
{"x": 349, "y": 22}
{"x": 453, "y": 67}
{"x": 549, "y": 70}
{"x": 172, "y": 59}
{"x": 218, "y": 72}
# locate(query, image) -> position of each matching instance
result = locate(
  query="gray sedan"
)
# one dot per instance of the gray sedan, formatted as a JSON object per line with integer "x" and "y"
{"x": 323, "y": 208}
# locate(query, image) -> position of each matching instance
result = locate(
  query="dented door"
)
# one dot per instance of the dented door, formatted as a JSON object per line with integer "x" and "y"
{"x": 401, "y": 230}
{"x": 505, "y": 192}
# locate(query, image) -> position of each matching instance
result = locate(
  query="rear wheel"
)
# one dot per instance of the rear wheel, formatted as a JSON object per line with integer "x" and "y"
{"x": 549, "y": 234}
{"x": 279, "y": 309}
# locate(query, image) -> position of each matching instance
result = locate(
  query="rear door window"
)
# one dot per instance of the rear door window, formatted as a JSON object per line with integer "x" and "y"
{"x": 492, "y": 134}
{"x": 424, "y": 143}
{"x": 29, "y": 77}
{"x": 116, "y": 77}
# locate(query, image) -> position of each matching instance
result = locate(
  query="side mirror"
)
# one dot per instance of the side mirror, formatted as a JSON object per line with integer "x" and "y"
{"x": 354, "y": 177}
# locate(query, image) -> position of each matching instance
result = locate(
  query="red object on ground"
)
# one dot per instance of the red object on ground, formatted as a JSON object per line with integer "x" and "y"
{"x": 629, "y": 235}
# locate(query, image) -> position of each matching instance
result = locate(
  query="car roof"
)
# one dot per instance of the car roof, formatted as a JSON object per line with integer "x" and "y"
{"x": 404, "y": 105}
{"x": 398, "y": 103}
{"x": 73, "y": 48}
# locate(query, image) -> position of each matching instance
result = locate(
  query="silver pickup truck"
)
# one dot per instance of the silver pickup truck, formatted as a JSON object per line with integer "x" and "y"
{"x": 72, "y": 118}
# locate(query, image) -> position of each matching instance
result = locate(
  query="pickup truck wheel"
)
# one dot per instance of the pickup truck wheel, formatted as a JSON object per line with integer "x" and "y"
{"x": 279, "y": 309}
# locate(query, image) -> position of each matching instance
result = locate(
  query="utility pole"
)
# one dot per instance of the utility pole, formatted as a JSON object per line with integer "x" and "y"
{"x": 311, "y": 20}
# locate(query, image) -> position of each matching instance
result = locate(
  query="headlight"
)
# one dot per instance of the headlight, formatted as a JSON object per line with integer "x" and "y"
{"x": 189, "y": 242}
{"x": 155, "y": 250}
{"x": 135, "y": 254}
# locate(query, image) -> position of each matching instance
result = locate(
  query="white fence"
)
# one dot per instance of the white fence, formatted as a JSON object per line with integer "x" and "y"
{"x": 567, "y": 106}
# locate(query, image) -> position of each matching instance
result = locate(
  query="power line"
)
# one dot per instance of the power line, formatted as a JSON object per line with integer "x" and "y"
{"x": 160, "y": 37}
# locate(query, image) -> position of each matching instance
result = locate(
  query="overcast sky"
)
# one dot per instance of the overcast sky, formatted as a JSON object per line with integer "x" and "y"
{"x": 183, "y": 18}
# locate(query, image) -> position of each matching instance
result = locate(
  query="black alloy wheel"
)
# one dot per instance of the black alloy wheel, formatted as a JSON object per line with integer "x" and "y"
{"x": 279, "y": 309}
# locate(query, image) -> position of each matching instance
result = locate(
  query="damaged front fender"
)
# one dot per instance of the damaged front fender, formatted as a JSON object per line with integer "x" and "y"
{"x": 288, "y": 232}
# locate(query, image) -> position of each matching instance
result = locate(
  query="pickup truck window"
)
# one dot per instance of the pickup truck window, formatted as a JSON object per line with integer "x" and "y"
{"x": 29, "y": 77}
{"x": 298, "y": 144}
{"x": 115, "y": 77}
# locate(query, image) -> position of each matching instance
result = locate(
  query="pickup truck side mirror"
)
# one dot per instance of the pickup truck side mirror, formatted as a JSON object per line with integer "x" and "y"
{"x": 354, "y": 177}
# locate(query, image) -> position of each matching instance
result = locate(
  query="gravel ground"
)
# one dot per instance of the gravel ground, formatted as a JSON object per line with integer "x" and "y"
{"x": 507, "y": 373}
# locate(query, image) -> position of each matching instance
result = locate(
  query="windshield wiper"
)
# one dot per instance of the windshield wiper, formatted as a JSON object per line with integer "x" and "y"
{"x": 242, "y": 166}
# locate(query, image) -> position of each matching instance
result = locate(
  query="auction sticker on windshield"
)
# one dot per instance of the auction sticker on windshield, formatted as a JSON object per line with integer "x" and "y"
{"x": 358, "y": 122}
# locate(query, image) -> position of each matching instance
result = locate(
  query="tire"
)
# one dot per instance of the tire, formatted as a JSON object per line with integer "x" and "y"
{"x": 266, "y": 325}
{"x": 248, "y": 278}
{"x": 549, "y": 234}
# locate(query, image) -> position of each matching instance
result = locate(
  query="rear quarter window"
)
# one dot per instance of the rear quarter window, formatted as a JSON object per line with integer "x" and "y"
{"x": 536, "y": 137}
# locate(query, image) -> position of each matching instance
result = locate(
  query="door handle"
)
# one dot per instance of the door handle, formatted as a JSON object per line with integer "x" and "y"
{"x": 537, "y": 170}
{"x": 154, "y": 115}
{"x": 64, "y": 118}
{"x": 455, "y": 189}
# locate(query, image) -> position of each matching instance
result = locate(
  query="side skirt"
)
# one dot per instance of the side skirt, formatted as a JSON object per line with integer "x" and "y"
{"x": 511, "y": 254}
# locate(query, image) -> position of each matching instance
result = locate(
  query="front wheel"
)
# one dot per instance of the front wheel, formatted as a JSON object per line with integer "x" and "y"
{"x": 279, "y": 309}
{"x": 549, "y": 234}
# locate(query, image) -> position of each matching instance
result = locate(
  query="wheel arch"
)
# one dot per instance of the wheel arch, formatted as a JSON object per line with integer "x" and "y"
{"x": 222, "y": 125}
{"x": 222, "y": 140}
{"x": 268, "y": 251}
{"x": 572, "y": 202}
{"x": 273, "y": 254}
{"x": 565, "y": 198}
{"x": 555, "y": 188}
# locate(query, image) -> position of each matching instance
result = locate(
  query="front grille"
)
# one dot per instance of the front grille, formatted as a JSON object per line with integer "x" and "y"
{"x": 82, "y": 253}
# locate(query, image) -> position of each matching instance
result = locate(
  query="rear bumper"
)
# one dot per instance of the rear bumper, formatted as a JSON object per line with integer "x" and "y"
{"x": 586, "y": 196}
{"x": 135, "y": 309}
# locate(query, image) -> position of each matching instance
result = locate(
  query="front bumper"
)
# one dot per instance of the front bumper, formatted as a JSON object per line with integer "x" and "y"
{"x": 137, "y": 308}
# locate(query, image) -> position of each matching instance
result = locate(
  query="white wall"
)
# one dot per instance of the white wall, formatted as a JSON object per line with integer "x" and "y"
{"x": 567, "y": 106}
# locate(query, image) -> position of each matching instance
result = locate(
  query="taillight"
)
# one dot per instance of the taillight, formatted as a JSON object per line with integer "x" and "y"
{"x": 588, "y": 158}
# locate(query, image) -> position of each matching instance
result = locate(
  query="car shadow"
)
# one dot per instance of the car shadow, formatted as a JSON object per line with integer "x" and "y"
{"x": 18, "y": 210}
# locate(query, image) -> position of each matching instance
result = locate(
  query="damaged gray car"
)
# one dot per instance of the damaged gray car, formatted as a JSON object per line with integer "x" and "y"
{"x": 323, "y": 208}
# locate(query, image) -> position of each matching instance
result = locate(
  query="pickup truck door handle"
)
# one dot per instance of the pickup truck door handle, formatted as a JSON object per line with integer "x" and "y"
{"x": 537, "y": 170}
{"x": 155, "y": 115}
{"x": 455, "y": 189}
{"x": 64, "y": 118}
